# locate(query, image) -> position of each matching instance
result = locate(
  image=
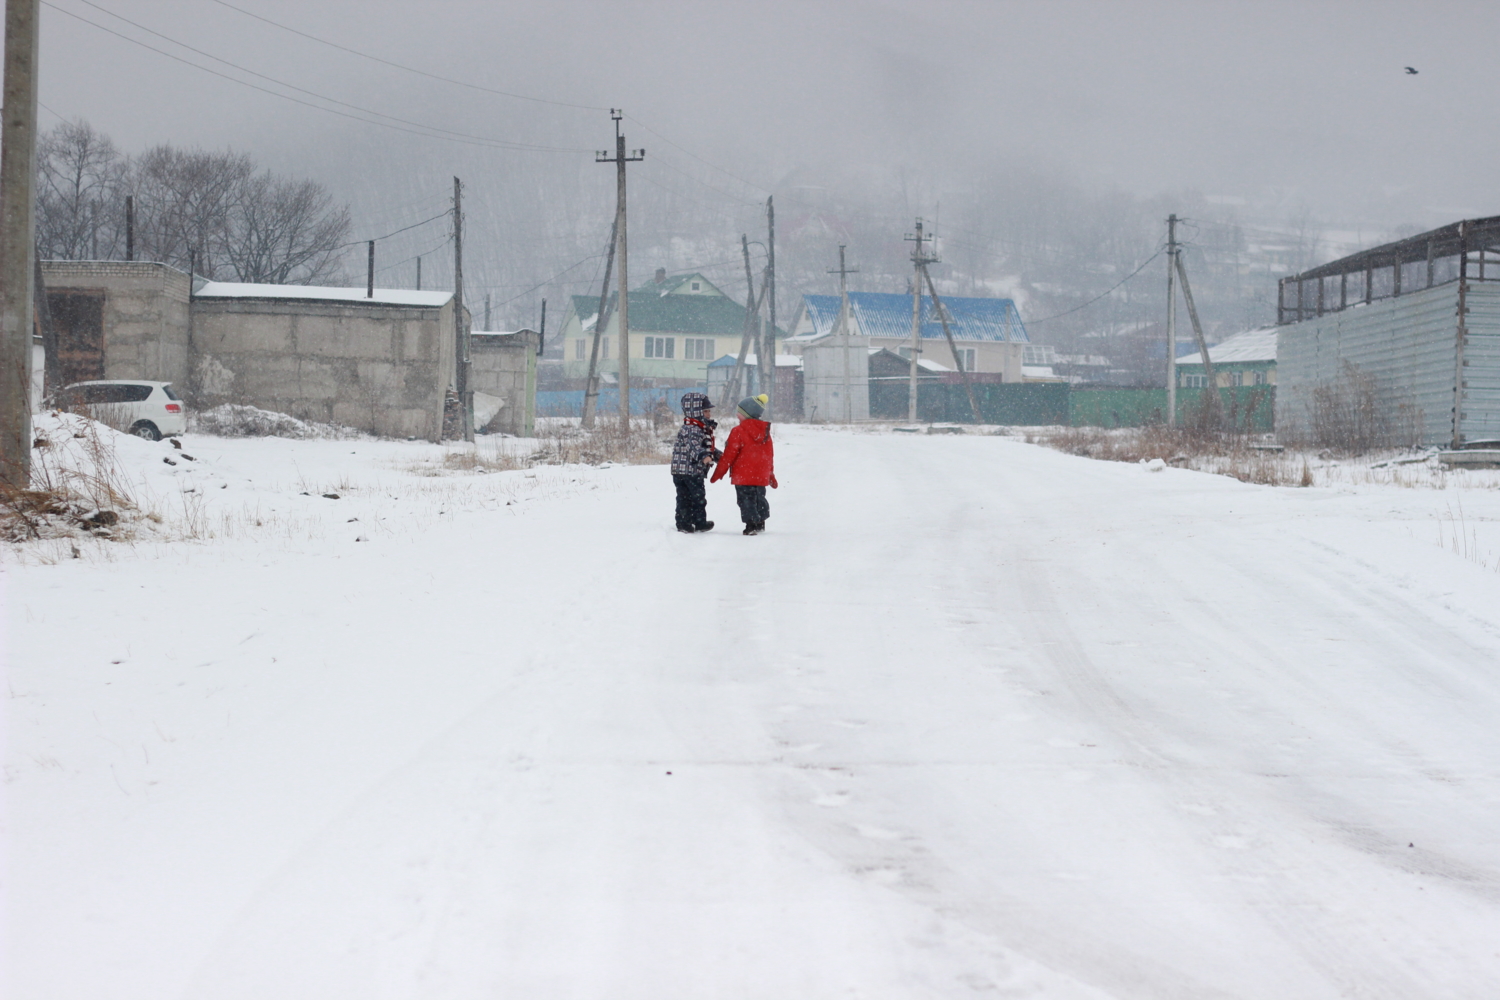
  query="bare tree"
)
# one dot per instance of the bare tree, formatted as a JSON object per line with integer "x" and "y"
{"x": 208, "y": 208}
{"x": 79, "y": 194}
{"x": 284, "y": 232}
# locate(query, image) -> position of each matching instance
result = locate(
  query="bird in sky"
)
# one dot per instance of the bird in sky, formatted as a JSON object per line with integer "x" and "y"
{"x": 1410, "y": 71}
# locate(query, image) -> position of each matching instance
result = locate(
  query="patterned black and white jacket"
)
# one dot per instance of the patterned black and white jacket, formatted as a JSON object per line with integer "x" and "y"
{"x": 695, "y": 441}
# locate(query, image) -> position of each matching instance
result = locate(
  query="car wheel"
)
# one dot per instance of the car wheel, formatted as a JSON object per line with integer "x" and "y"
{"x": 146, "y": 429}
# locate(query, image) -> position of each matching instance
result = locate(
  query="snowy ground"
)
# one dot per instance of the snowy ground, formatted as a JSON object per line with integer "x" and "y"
{"x": 974, "y": 718}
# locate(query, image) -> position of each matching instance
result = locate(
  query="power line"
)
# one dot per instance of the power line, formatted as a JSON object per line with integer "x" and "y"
{"x": 434, "y": 132}
{"x": 405, "y": 68}
{"x": 1096, "y": 298}
{"x": 414, "y": 225}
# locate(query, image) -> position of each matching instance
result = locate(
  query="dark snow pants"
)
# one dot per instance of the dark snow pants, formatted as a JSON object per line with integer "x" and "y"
{"x": 692, "y": 502}
{"x": 754, "y": 507}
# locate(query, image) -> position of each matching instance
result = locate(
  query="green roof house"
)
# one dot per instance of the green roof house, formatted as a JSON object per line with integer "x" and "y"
{"x": 678, "y": 324}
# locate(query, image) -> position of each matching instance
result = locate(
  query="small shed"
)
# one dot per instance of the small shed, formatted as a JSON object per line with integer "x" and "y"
{"x": 502, "y": 373}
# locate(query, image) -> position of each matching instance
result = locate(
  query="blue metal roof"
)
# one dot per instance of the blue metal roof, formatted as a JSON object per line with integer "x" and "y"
{"x": 886, "y": 314}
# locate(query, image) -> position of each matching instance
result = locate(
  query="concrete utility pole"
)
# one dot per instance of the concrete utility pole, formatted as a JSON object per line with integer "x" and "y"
{"x": 1211, "y": 393}
{"x": 130, "y": 227}
{"x": 842, "y": 337}
{"x": 958, "y": 361}
{"x": 920, "y": 259}
{"x": 465, "y": 395}
{"x": 591, "y": 386}
{"x": 419, "y": 273}
{"x": 17, "y": 240}
{"x": 620, "y": 159}
{"x": 486, "y": 310}
{"x": 769, "y": 388}
{"x": 1171, "y": 321}
{"x": 370, "y": 273}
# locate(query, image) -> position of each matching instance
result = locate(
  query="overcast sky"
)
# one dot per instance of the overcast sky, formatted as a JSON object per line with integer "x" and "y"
{"x": 1302, "y": 100}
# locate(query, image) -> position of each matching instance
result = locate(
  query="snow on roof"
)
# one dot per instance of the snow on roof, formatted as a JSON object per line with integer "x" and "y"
{"x": 782, "y": 360}
{"x": 888, "y": 315}
{"x": 321, "y": 293}
{"x": 1252, "y": 345}
{"x": 499, "y": 333}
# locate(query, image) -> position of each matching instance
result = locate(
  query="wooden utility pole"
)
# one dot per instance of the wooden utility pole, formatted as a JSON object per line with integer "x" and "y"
{"x": 1172, "y": 320}
{"x": 963, "y": 372}
{"x": 1211, "y": 395}
{"x": 920, "y": 259}
{"x": 747, "y": 335}
{"x": 541, "y": 333}
{"x": 419, "y": 273}
{"x": 842, "y": 337}
{"x": 17, "y": 240}
{"x": 620, "y": 159}
{"x": 465, "y": 395}
{"x": 769, "y": 388}
{"x": 591, "y": 386}
{"x": 370, "y": 273}
{"x": 130, "y": 227}
{"x": 487, "y": 310}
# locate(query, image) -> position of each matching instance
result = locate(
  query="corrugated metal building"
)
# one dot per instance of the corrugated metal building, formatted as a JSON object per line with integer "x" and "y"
{"x": 1420, "y": 316}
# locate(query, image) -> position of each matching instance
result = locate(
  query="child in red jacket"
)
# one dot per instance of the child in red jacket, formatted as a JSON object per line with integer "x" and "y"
{"x": 748, "y": 458}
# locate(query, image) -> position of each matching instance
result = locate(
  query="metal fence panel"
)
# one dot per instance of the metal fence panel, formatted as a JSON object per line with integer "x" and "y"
{"x": 1406, "y": 344}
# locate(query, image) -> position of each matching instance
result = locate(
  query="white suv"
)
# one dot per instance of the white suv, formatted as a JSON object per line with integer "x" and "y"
{"x": 146, "y": 409}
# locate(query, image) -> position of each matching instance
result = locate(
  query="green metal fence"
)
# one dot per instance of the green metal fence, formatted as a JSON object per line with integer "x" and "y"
{"x": 1249, "y": 408}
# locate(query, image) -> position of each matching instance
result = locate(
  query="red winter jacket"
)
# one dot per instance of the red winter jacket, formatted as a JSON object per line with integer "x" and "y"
{"x": 748, "y": 456}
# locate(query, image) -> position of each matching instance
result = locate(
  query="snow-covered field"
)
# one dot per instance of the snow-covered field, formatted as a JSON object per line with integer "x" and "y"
{"x": 974, "y": 717}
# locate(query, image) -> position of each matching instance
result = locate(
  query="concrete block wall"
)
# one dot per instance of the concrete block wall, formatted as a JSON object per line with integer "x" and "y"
{"x": 505, "y": 366}
{"x": 380, "y": 368}
{"x": 146, "y": 322}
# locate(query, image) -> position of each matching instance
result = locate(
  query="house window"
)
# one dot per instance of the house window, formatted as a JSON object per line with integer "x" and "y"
{"x": 661, "y": 347}
{"x": 905, "y": 352}
{"x": 695, "y": 349}
{"x": 1195, "y": 381}
{"x": 697, "y": 286}
{"x": 966, "y": 356}
{"x": 1260, "y": 378}
{"x": 578, "y": 349}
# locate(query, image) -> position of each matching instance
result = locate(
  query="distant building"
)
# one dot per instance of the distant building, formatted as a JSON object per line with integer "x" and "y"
{"x": 678, "y": 324}
{"x": 988, "y": 333}
{"x": 1247, "y": 358}
{"x": 1419, "y": 319}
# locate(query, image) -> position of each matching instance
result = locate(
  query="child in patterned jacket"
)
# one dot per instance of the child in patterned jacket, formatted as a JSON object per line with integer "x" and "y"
{"x": 693, "y": 454}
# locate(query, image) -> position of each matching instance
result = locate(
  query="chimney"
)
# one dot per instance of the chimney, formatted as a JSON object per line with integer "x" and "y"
{"x": 661, "y": 275}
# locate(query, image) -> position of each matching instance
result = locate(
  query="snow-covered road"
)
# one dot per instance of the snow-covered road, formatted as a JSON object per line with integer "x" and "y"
{"x": 974, "y": 717}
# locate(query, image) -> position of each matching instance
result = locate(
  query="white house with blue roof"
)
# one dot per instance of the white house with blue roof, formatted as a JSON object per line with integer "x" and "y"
{"x": 988, "y": 333}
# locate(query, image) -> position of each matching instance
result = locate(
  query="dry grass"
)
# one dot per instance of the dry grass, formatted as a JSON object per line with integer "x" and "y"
{"x": 77, "y": 487}
{"x": 1223, "y": 454}
{"x": 557, "y": 443}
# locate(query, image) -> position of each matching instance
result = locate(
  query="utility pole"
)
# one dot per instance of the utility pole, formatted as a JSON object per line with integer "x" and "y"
{"x": 541, "y": 333}
{"x": 842, "y": 338}
{"x": 920, "y": 259}
{"x": 465, "y": 395}
{"x": 958, "y": 362}
{"x": 770, "y": 380}
{"x": 370, "y": 273}
{"x": 752, "y": 316}
{"x": 486, "y": 310}
{"x": 1211, "y": 393}
{"x": 17, "y": 240}
{"x": 620, "y": 159}
{"x": 419, "y": 273}
{"x": 1172, "y": 321}
{"x": 591, "y": 386}
{"x": 130, "y": 227}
